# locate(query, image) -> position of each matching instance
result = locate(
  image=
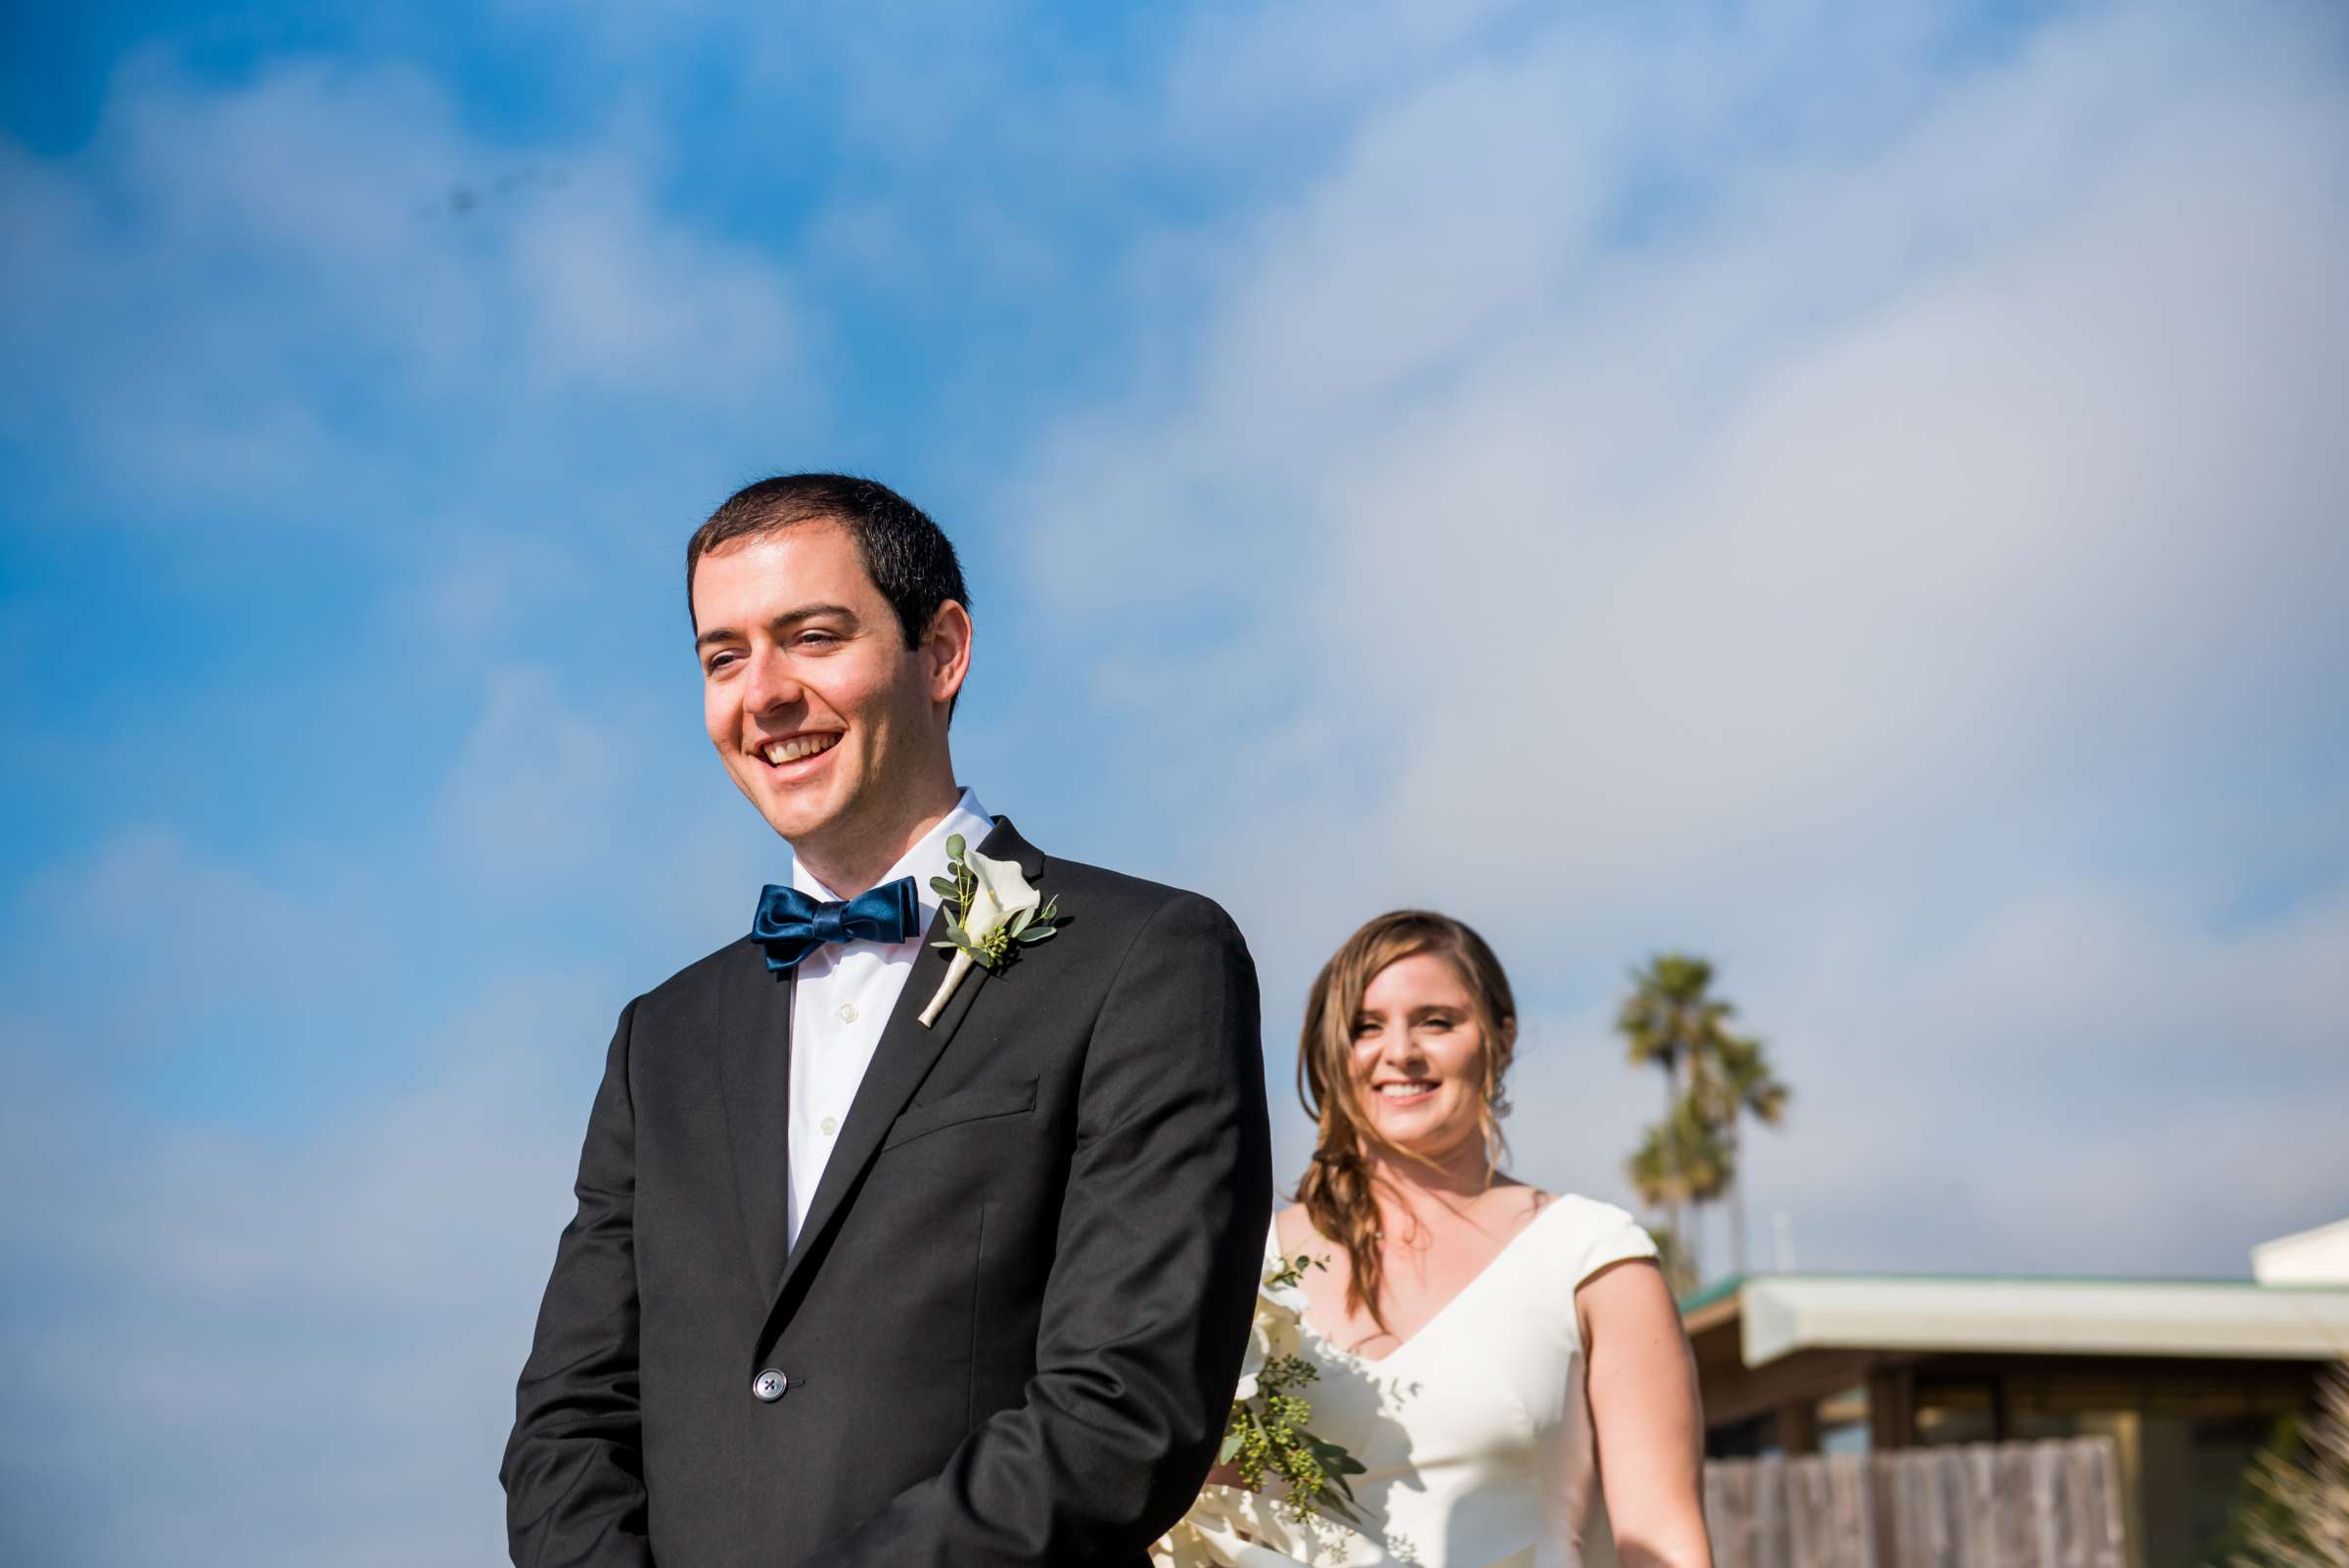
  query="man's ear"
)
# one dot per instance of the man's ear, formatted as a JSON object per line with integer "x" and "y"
{"x": 948, "y": 649}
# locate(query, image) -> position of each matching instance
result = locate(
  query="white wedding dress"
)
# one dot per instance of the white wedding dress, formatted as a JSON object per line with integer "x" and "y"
{"x": 1475, "y": 1432}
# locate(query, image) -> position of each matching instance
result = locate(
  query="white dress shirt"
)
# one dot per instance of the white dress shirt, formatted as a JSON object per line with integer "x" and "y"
{"x": 840, "y": 1001}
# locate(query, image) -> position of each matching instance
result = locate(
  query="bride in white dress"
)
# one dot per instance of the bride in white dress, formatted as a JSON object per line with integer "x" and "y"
{"x": 1486, "y": 1349}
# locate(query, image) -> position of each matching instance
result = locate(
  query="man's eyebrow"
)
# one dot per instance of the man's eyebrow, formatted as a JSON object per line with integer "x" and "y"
{"x": 782, "y": 623}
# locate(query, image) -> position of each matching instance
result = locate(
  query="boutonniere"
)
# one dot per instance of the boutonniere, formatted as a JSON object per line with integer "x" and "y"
{"x": 990, "y": 912}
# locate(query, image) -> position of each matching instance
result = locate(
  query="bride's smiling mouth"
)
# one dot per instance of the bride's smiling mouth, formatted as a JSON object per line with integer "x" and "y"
{"x": 793, "y": 753}
{"x": 1404, "y": 1091}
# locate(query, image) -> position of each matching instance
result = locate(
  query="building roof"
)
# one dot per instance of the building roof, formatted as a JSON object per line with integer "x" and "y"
{"x": 1779, "y": 1314}
{"x": 2319, "y": 1257}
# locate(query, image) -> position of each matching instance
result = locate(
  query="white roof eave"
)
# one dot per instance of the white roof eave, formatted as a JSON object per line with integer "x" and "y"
{"x": 1782, "y": 1314}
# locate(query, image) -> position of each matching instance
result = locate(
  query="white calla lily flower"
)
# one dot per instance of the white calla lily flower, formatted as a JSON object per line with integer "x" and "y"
{"x": 1272, "y": 1333}
{"x": 1003, "y": 891}
{"x": 1000, "y": 894}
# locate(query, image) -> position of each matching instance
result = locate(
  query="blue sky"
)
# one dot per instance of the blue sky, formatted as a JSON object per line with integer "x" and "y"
{"x": 1850, "y": 490}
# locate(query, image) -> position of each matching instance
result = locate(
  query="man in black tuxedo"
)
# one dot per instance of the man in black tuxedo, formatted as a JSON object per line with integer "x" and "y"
{"x": 847, "y": 1287}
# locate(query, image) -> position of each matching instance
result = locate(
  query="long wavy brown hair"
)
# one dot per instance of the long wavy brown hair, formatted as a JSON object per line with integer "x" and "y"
{"x": 1337, "y": 1188}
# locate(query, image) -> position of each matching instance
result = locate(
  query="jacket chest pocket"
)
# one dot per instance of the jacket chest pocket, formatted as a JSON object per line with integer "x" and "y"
{"x": 978, "y": 1103}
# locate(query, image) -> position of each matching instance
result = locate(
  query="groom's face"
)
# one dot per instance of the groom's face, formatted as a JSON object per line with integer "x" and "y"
{"x": 819, "y": 711}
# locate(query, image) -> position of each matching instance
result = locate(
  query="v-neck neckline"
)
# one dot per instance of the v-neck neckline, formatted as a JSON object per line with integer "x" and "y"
{"x": 1492, "y": 1265}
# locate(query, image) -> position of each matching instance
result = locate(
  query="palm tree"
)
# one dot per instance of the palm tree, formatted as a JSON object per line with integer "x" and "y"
{"x": 1734, "y": 1081}
{"x": 1671, "y": 1021}
{"x": 1680, "y": 1162}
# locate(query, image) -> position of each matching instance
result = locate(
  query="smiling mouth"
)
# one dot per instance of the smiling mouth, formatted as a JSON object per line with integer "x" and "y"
{"x": 1417, "y": 1088}
{"x": 796, "y": 748}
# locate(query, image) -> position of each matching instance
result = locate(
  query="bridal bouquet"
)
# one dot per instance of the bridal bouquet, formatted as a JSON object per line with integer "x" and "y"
{"x": 1265, "y": 1435}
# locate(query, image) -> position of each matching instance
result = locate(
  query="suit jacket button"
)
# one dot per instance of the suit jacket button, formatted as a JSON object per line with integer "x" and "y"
{"x": 769, "y": 1386}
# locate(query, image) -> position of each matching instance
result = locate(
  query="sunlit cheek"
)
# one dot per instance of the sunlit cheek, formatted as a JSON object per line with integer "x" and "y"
{"x": 846, "y": 695}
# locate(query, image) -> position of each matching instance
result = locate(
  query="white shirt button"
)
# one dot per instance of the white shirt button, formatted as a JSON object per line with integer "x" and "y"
{"x": 848, "y": 1012}
{"x": 829, "y": 1125}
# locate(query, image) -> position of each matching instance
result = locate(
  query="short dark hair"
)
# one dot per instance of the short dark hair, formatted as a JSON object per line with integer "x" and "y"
{"x": 909, "y": 559}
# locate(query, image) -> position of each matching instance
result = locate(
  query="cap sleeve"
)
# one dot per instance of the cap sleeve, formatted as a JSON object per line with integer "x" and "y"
{"x": 1596, "y": 1234}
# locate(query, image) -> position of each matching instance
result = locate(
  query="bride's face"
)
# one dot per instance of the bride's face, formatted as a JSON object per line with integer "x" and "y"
{"x": 1419, "y": 1056}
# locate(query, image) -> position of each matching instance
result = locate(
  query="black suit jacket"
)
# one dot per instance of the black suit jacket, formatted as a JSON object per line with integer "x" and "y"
{"x": 1015, "y": 1314}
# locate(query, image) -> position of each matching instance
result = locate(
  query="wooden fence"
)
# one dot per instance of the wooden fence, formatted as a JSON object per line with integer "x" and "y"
{"x": 2004, "y": 1506}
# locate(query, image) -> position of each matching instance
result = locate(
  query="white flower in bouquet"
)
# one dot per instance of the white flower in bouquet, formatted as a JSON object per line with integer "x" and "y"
{"x": 1275, "y": 1334}
{"x": 1266, "y": 1438}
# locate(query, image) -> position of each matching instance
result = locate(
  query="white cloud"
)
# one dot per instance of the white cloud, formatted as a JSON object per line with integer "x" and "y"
{"x": 293, "y": 1296}
{"x": 151, "y": 948}
{"x": 342, "y": 1313}
{"x": 302, "y": 297}
{"x": 1890, "y": 540}
{"x": 537, "y": 787}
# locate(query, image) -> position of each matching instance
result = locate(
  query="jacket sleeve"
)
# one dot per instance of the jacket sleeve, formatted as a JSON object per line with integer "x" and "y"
{"x": 573, "y": 1469}
{"x": 1153, "y": 1284}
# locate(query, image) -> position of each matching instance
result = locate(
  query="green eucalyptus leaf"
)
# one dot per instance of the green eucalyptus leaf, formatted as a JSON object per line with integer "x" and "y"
{"x": 955, "y": 931}
{"x": 1231, "y": 1446}
{"x": 953, "y": 847}
{"x": 943, "y": 887}
{"x": 1336, "y": 1461}
{"x": 1020, "y": 921}
{"x": 1038, "y": 933}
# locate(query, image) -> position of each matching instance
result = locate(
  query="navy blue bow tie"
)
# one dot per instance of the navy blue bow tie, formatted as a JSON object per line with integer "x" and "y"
{"x": 791, "y": 924}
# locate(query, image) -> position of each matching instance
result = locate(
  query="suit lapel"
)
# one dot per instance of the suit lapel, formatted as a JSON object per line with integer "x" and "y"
{"x": 901, "y": 1060}
{"x": 755, "y": 1052}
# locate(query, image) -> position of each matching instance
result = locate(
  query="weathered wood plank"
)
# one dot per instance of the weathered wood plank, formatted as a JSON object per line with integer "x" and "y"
{"x": 1771, "y": 1544}
{"x": 2100, "y": 1475}
{"x": 1728, "y": 1512}
{"x": 1806, "y": 1512}
{"x": 1854, "y": 1512}
{"x": 2051, "y": 1504}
